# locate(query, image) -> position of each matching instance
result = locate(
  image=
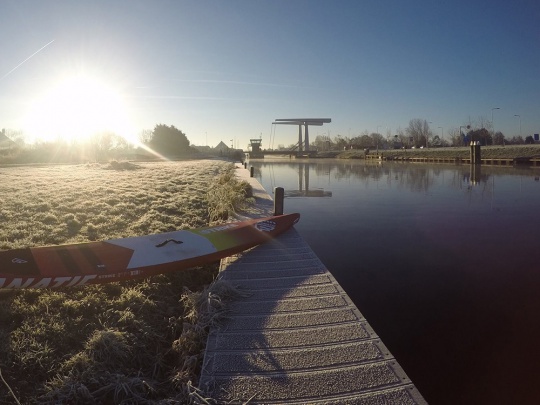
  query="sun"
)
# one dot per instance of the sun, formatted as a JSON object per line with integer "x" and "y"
{"x": 75, "y": 109}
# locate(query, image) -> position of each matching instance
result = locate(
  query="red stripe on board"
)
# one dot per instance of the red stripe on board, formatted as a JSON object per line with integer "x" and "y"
{"x": 110, "y": 258}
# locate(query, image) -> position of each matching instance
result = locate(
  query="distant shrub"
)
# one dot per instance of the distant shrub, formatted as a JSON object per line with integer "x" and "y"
{"x": 115, "y": 165}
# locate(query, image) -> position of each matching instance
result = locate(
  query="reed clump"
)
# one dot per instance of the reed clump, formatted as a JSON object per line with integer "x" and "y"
{"x": 227, "y": 194}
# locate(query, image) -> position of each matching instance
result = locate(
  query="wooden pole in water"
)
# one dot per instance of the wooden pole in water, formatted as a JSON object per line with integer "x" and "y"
{"x": 475, "y": 153}
{"x": 279, "y": 197}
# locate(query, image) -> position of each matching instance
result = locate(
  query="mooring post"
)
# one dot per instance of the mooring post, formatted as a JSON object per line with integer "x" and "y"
{"x": 251, "y": 171}
{"x": 279, "y": 197}
{"x": 475, "y": 153}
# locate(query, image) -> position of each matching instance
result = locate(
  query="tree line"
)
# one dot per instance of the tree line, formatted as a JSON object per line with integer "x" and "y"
{"x": 167, "y": 141}
{"x": 419, "y": 134}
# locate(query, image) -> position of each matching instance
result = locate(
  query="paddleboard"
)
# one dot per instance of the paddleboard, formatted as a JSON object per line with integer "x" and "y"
{"x": 134, "y": 257}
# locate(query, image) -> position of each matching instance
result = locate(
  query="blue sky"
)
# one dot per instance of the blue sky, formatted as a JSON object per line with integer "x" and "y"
{"x": 222, "y": 70}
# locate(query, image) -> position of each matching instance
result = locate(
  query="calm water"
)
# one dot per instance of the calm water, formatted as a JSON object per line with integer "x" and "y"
{"x": 442, "y": 260}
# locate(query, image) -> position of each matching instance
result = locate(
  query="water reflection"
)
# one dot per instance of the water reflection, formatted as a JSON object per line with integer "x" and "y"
{"x": 294, "y": 176}
{"x": 303, "y": 189}
{"x": 441, "y": 259}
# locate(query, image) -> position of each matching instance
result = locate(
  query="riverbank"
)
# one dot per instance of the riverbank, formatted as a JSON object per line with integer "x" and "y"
{"x": 488, "y": 152}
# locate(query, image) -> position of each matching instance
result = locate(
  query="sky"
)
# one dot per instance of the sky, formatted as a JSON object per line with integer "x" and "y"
{"x": 225, "y": 70}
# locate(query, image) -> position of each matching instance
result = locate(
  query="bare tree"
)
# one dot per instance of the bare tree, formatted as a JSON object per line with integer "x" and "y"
{"x": 377, "y": 140}
{"x": 146, "y": 135}
{"x": 419, "y": 131}
{"x": 341, "y": 142}
{"x": 483, "y": 122}
{"x": 481, "y": 135}
{"x": 323, "y": 142}
{"x": 516, "y": 140}
{"x": 455, "y": 137}
{"x": 498, "y": 138}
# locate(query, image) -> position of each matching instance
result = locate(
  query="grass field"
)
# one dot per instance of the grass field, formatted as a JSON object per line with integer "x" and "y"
{"x": 132, "y": 342}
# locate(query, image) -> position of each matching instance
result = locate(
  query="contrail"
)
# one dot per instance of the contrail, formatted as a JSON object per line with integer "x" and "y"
{"x": 238, "y": 82}
{"x": 36, "y": 52}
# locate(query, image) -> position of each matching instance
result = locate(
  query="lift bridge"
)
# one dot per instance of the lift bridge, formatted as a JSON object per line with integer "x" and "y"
{"x": 302, "y": 147}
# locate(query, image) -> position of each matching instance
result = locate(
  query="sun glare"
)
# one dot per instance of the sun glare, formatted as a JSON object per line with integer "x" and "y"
{"x": 77, "y": 108}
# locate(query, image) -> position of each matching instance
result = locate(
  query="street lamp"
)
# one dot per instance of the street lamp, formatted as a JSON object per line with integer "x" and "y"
{"x": 492, "y": 123}
{"x": 517, "y": 115}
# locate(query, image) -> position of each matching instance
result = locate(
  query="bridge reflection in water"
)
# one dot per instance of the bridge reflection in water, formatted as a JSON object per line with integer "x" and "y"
{"x": 303, "y": 185}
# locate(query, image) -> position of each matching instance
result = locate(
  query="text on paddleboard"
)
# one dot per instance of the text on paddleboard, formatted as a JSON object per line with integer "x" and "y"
{"x": 218, "y": 228}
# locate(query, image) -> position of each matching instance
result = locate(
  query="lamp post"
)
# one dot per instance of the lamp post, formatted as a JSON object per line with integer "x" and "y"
{"x": 377, "y": 141}
{"x": 517, "y": 115}
{"x": 427, "y": 135}
{"x": 492, "y": 123}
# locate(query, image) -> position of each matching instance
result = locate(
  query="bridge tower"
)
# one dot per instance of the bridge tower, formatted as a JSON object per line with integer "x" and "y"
{"x": 255, "y": 145}
{"x": 305, "y": 122}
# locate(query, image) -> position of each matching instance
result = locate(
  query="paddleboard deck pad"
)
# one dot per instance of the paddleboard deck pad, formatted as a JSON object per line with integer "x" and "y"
{"x": 134, "y": 257}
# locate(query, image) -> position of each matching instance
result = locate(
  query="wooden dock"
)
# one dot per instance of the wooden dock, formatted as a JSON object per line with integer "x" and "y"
{"x": 296, "y": 338}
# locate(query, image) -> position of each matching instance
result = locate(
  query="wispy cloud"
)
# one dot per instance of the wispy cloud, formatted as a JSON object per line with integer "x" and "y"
{"x": 232, "y": 82}
{"x": 164, "y": 97}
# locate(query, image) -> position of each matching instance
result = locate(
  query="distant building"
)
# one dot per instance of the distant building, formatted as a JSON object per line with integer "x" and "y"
{"x": 5, "y": 142}
{"x": 221, "y": 148}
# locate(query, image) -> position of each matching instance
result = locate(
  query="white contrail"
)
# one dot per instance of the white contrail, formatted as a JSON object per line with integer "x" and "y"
{"x": 36, "y": 52}
{"x": 239, "y": 82}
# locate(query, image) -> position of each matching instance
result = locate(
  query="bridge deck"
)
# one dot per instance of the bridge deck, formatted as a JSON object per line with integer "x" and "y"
{"x": 297, "y": 337}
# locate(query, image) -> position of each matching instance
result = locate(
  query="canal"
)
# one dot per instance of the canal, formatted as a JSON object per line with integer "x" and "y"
{"x": 442, "y": 260}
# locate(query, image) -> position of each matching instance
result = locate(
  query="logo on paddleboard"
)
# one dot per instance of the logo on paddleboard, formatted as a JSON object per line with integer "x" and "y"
{"x": 266, "y": 226}
{"x": 18, "y": 261}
